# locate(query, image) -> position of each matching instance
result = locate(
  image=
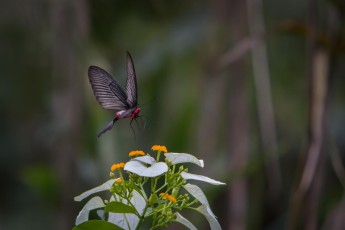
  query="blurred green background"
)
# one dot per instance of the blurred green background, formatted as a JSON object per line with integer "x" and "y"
{"x": 256, "y": 89}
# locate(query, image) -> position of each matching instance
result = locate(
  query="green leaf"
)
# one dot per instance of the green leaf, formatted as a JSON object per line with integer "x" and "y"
{"x": 94, "y": 203}
{"x": 177, "y": 158}
{"x": 97, "y": 224}
{"x": 153, "y": 199}
{"x": 141, "y": 169}
{"x": 118, "y": 207}
{"x": 190, "y": 176}
{"x": 105, "y": 186}
{"x": 160, "y": 207}
{"x": 184, "y": 221}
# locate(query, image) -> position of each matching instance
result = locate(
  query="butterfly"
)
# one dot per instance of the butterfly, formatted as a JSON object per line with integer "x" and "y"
{"x": 111, "y": 96}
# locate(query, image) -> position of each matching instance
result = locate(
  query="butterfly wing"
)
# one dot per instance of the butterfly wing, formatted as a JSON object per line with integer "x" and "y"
{"x": 131, "y": 83}
{"x": 107, "y": 91}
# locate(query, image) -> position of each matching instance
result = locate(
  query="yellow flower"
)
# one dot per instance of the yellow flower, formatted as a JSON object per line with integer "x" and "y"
{"x": 118, "y": 180}
{"x": 160, "y": 148}
{"x": 136, "y": 153}
{"x": 169, "y": 197}
{"x": 117, "y": 166}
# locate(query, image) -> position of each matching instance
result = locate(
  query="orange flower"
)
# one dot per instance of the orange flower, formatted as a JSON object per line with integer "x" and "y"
{"x": 169, "y": 197}
{"x": 160, "y": 148}
{"x": 136, "y": 153}
{"x": 118, "y": 180}
{"x": 117, "y": 166}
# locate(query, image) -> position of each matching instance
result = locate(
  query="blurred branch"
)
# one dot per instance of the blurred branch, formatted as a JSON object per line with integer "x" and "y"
{"x": 213, "y": 98}
{"x": 319, "y": 92}
{"x": 334, "y": 43}
{"x": 238, "y": 130}
{"x": 336, "y": 220}
{"x": 337, "y": 164}
{"x": 237, "y": 51}
{"x": 294, "y": 27}
{"x": 238, "y": 152}
{"x": 318, "y": 96}
{"x": 69, "y": 25}
{"x": 264, "y": 97}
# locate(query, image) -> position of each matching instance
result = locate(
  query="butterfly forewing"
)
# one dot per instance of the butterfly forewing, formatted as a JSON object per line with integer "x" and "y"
{"x": 131, "y": 83}
{"x": 106, "y": 90}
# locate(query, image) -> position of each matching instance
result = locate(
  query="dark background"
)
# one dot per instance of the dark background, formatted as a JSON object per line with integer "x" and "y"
{"x": 255, "y": 88}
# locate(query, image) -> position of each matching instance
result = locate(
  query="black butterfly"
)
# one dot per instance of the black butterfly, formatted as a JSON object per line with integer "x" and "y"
{"x": 110, "y": 95}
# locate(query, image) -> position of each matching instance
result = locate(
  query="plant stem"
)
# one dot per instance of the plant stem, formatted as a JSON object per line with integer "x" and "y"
{"x": 163, "y": 186}
{"x": 143, "y": 192}
{"x": 158, "y": 155}
{"x": 141, "y": 218}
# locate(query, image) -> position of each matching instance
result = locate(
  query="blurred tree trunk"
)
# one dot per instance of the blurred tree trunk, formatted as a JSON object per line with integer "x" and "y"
{"x": 69, "y": 25}
{"x": 262, "y": 81}
{"x": 233, "y": 14}
{"x": 305, "y": 200}
{"x": 238, "y": 141}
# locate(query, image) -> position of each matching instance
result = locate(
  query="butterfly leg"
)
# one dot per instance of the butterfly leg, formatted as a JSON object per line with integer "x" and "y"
{"x": 141, "y": 119}
{"x": 130, "y": 124}
{"x": 137, "y": 123}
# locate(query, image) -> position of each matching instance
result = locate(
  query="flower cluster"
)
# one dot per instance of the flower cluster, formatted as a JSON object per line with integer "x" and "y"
{"x": 118, "y": 180}
{"x": 117, "y": 166}
{"x": 149, "y": 189}
{"x": 159, "y": 148}
{"x": 136, "y": 153}
{"x": 166, "y": 196}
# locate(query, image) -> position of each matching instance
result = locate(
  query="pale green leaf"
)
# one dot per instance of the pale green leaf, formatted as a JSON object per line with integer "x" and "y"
{"x": 206, "y": 211}
{"x": 184, "y": 221}
{"x": 145, "y": 171}
{"x": 145, "y": 159}
{"x": 138, "y": 202}
{"x": 125, "y": 221}
{"x": 148, "y": 212}
{"x": 198, "y": 194}
{"x": 105, "y": 186}
{"x": 94, "y": 203}
{"x": 129, "y": 221}
{"x": 101, "y": 214}
{"x": 177, "y": 158}
{"x": 190, "y": 176}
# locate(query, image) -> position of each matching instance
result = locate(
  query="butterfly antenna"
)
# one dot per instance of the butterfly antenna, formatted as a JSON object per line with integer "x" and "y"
{"x": 152, "y": 100}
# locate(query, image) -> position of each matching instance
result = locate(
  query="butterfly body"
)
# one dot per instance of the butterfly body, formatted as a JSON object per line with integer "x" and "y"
{"x": 131, "y": 113}
{"x": 111, "y": 96}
